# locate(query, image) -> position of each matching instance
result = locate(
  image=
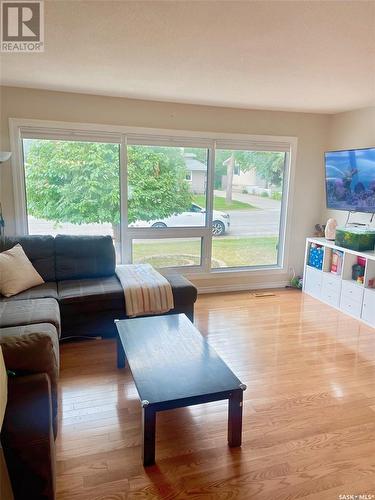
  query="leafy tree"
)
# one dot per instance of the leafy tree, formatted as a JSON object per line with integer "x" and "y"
{"x": 78, "y": 182}
{"x": 157, "y": 183}
{"x": 269, "y": 165}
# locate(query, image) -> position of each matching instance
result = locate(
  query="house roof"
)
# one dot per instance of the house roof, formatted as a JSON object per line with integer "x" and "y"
{"x": 193, "y": 164}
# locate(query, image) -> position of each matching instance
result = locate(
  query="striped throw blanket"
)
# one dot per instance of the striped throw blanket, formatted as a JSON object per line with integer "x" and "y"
{"x": 146, "y": 291}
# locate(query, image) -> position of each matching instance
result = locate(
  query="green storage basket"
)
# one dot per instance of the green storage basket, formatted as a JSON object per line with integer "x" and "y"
{"x": 355, "y": 238}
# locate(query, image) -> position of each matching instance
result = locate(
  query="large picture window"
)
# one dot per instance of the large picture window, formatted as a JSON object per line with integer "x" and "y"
{"x": 189, "y": 202}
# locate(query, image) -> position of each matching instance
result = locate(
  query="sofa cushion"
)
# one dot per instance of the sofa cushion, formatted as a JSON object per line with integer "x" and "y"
{"x": 17, "y": 274}
{"x": 101, "y": 293}
{"x": 27, "y": 312}
{"x": 17, "y": 333}
{"x": 39, "y": 249}
{"x": 46, "y": 290}
{"x": 109, "y": 291}
{"x": 84, "y": 257}
{"x": 184, "y": 292}
{"x": 90, "y": 306}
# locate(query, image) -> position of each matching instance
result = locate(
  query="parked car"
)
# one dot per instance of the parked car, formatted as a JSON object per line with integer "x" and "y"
{"x": 196, "y": 216}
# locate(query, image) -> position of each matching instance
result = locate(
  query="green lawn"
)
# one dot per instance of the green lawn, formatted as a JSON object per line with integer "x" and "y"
{"x": 246, "y": 251}
{"x": 221, "y": 204}
{"x": 226, "y": 252}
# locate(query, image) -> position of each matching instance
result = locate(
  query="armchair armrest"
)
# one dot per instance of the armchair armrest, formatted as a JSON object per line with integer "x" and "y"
{"x": 31, "y": 354}
{"x": 27, "y": 438}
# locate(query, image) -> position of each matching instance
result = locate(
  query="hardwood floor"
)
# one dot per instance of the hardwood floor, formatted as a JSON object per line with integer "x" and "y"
{"x": 309, "y": 411}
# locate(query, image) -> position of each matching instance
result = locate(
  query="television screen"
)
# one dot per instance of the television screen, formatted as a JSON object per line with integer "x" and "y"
{"x": 350, "y": 180}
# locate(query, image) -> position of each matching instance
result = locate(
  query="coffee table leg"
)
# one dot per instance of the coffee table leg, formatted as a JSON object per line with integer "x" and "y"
{"x": 121, "y": 358}
{"x": 235, "y": 418}
{"x": 148, "y": 433}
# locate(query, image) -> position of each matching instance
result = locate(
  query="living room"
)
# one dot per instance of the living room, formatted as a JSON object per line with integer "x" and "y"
{"x": 180, "y": 151}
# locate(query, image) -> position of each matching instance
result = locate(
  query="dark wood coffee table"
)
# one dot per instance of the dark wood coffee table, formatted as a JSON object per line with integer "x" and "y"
{"x": 174, "y": 366}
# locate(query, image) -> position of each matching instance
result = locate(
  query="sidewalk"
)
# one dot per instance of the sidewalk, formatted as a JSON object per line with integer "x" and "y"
{"x": 257, "y": 201}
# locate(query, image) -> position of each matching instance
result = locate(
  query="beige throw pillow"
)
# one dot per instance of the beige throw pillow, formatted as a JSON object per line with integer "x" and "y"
{"x": 16, "y": 272}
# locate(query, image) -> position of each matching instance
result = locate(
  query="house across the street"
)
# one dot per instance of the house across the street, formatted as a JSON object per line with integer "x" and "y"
{"x": 196, "y": 173}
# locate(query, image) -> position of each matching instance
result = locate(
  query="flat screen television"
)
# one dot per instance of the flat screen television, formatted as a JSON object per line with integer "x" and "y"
{"x": 350, "y": 180}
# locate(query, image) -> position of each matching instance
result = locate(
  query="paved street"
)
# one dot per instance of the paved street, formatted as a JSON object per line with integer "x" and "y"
{"x": 254, "y": 222}
{"x": 243, "y": 223}
{"x": 262, "y": 221}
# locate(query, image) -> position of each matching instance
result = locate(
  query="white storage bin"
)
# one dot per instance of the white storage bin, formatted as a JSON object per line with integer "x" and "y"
{"x": 331, "y": 283}
{"x": 368, "y": 310}
{"x": 350, "y": 306}
{"x": 313, "y": 282}
{"x": 352, "y": 291}
{"x": 331, "y": 297}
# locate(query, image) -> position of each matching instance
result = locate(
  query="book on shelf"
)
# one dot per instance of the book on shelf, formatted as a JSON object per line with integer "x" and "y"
{"x": 337, "y": 260}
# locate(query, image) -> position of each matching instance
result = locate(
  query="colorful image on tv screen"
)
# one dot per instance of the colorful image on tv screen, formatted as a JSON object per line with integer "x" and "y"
{"x": 350, "y": 180}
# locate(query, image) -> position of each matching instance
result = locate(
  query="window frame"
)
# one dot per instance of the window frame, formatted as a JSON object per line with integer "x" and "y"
{"x": 123, "y": 135}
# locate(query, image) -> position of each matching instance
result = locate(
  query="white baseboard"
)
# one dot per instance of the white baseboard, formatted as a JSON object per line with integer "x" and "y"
{"x": 241, "y": 287}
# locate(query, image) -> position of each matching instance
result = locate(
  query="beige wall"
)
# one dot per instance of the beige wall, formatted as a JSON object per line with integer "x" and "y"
{"x": 310, "y": 129}
{"x": 350, "y": 130}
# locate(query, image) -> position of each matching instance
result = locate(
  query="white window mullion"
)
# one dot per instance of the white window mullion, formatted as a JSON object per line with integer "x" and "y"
{"x": 125, "y": 244}
{"x": 207, "y": 240}
{"x": 166, "y": 233}
{"x": 19, "y": 187}
{"x": 70, "y": 135}
{"x": 253, "y": 145}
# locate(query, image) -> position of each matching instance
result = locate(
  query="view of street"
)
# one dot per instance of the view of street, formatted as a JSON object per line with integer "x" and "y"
{"x": 261, "y": 221}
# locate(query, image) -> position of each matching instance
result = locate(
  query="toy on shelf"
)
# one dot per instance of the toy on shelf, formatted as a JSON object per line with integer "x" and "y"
{"x": 316, "y": 256}
{"x": 319, "y": 230}
{"x": 361, "y": 261}
{"x": 358, "y": 270}
{"x": 337, "y": 260}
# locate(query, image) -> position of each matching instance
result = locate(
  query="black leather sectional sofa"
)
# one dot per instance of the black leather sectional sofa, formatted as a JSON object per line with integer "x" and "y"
{"x": 80, "y": 286}
{"x": 81, "y": 296}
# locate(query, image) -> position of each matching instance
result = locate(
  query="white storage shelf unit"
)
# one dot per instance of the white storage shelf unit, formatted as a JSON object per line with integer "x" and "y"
{"x": 341, "y": 291}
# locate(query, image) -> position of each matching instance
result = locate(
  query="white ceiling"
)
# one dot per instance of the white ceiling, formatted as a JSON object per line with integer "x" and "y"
{"x": 308, "y": 55}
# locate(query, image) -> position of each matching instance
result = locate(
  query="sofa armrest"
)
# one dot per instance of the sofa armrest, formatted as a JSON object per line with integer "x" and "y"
{"x": 27, "y": 437}
{"x": 184, "y": 292}
{"x": 32, "y": 354}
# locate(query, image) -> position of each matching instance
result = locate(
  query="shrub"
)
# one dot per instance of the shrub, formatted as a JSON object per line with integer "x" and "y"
{"x": 276, "y": 195}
